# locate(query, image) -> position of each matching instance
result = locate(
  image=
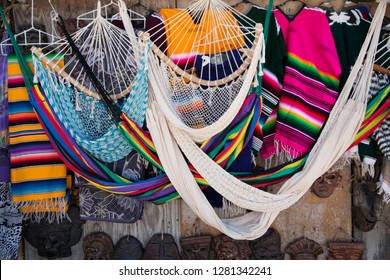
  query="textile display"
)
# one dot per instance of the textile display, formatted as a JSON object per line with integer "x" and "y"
{"x": 382, "y": 137}
{"x": 380, "y": 83}
{"x": 218, "y": 31}
{"x": 100, "y": 205}
{"x": 38, "y": 175}
{"x": 158, "y": 189}
{"x": 345, "y": 119}
{"x": 349, "y": 29}
{"x": 382, "y": 133}
{"x": 4, "y": 143}
{"x": 10, "y": 215}
{"x": 88, "y": 120}
{"x": 310, "y": 83}
{"x": 10, "y": 224}
{"x": 273, "y": 68}
{"x": 383, "y": 184}
{"x": 349, "y": 111}
{"x": 180, "y": 41}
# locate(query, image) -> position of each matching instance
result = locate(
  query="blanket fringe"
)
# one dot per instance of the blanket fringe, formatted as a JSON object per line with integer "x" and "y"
{"x": 229, "y": 210}
{"x": 50, "y": 210}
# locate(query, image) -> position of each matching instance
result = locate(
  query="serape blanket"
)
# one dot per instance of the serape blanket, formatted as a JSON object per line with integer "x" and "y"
{"x": 38, "y": 175}
{"x": 10, "y": 216}
{"x": 310, "y": 83}
{"x": 157, "y": 189}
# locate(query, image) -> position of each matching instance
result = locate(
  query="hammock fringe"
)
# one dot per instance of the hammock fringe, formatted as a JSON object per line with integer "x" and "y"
{"x": 229, "y": 210}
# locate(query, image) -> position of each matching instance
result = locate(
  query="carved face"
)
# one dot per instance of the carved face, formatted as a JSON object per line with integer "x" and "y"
{"x": 267, "y": 247}
{"x": 325, "y": 185}
{"x": 54, "y": 240}
{"x": 346, "y": 251}
{"x": 227, "y": 248}
{"x": 162, "y": 247}
{"x": 128, "y": 248}
{"x": 196, "y": 247}
{"x": 304, "y": 249}
{"x": 98, "y": 246}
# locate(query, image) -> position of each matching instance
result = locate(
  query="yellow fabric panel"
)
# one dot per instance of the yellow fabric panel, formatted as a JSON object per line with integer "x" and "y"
{"x": 60, "y": 207}
{"x": 29, "y": 138}
{"x": 18, "y": 94}
{"x": 34, "y": 173}
{"x": 39, "y": 196}
{"x": 217, "y": 32}
{"x": 14, "y": 68}
{"x": 24, "y": 127}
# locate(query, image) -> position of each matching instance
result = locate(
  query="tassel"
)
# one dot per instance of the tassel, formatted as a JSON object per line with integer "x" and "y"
{"x": 229, "y": 210}
{"x": 78, "y": 108}
{"x": 35, "y": 79}
{"x": 368, "y": 169}
{"x": 93, "y": 109}
{"x": 40, "y": 210}
{"x": 383, "y": 188}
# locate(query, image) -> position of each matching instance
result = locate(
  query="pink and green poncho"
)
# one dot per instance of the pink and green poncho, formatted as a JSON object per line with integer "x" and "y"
{"x": 310, "y": 84}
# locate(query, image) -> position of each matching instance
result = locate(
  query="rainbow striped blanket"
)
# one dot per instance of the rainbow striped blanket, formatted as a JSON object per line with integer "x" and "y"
{"x": 38, "y": 175}
{"x": 310, "y": 84}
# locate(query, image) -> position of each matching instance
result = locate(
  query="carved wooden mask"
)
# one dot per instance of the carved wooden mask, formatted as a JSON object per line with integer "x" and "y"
{"x": 324, "y": 186}
{"x": 162, "y": 247}
{"x": 98, "y": 246}
{"x": 267, "y": 247}
{"x": 196, "y": 247}
{"x": 54, "y": 240}
{"x": 345, "y": 250}
{"x": 227, "y": 248}
{"x": 128, "y": 248}
{"x": 304, "y": 249}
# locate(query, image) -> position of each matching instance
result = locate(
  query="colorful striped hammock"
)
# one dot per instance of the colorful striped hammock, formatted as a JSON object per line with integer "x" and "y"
{"x": 159, "y": 189}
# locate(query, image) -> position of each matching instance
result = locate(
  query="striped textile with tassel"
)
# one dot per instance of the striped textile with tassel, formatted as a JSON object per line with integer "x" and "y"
{"x": 38, "y": 175}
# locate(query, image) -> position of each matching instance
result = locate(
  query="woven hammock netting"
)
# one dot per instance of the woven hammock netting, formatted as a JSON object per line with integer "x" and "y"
{"x": 203, "y": 69}
{"x": 200, "y": 75}
{"x": 119, "y": 62}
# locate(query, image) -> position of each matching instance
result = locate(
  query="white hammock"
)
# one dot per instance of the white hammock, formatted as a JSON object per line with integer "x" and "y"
{"x": 204, "y": 73}
{"x": 337, "y": 135}
{"x": 119, "y": 62}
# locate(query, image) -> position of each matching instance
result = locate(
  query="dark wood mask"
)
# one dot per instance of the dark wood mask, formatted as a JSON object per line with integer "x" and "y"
{"x": 227, "y": 248}
{"x": 98, "y": 246}
{"x": 345, "y": 250}
{"x": 54, "y": 240}
{"x": 196, "y": 247}
{"x": 304, "y": 249}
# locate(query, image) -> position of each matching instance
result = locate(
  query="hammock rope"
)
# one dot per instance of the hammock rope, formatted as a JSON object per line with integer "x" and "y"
{"x": 119, "y": 66}
{"x": 160, "y": 188}
{"x": 202, "y": 77}
{"x": 337, "y": 135}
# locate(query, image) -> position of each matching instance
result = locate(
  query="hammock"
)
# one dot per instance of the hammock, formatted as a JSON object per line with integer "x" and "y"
{"x": 159, "y": 188}
{"x": 203, "y": 71}
{"x": 119, "y": 62}
{"x": 337, "y": 135}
